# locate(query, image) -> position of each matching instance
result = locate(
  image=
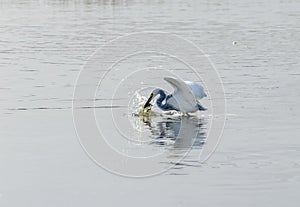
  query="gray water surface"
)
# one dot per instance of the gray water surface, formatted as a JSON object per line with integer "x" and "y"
{"x": 253, "y": 44}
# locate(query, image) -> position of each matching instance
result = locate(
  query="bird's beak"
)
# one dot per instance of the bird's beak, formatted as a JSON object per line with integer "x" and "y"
{"x": 147, "y": 104}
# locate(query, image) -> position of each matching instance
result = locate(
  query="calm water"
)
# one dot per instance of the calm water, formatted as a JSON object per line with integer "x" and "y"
{"x": 44, "y": 45}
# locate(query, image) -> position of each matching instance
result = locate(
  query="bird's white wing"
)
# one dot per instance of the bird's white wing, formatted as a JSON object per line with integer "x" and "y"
{"x": 197, "y": 89}
{"x": 183, "y": 95}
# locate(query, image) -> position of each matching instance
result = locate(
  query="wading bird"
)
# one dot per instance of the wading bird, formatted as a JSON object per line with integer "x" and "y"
{"x": 185, "y": 97}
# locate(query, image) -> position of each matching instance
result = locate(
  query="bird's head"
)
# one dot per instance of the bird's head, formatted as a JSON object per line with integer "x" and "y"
{"x": 154, "y": 93}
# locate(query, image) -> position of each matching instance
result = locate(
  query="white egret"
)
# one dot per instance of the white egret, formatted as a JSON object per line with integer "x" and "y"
{"x": 185, "y": 97}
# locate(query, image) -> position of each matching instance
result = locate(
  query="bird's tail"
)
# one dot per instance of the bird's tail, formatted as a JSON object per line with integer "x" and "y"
{"x": 201, "y": 108}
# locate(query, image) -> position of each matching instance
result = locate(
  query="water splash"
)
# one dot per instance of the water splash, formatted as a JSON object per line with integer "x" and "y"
{"x": 136, "y": 103}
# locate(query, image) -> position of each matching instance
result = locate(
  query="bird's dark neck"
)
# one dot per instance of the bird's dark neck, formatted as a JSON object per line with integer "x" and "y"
{"x": 161, "y": 98}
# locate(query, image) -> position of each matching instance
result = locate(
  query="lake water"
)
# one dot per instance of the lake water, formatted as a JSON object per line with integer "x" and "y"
{"x": 254, "y": 45}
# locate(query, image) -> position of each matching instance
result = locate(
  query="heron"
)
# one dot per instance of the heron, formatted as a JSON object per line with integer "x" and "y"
{"x": 185, "y": 98}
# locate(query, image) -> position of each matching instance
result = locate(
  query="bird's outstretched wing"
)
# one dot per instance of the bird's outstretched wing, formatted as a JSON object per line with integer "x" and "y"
{"x": 198, "y": 90}
{"x": 183, "y": 94}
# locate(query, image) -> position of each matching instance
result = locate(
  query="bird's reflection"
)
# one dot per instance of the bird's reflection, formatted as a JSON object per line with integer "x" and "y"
{"x": 180, "y": 133}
